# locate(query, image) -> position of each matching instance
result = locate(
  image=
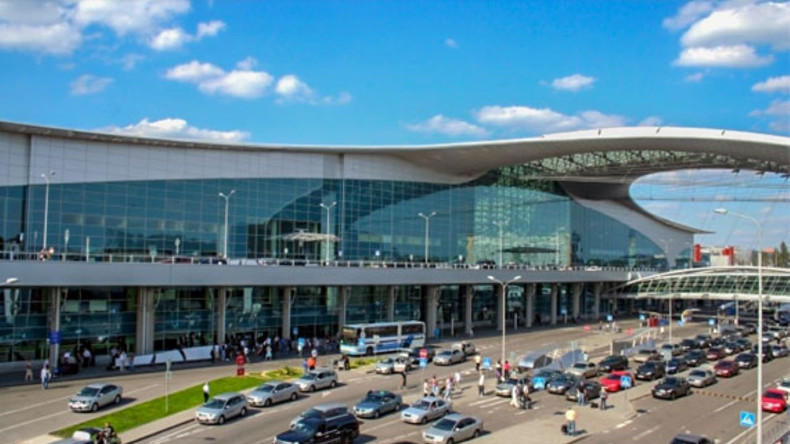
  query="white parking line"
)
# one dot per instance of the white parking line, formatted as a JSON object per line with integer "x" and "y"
{"x": 645, "y": 433}
{"x": 66, "y": 412}
{"x": 63, "y": 398}
{"x": 725, "y": 406}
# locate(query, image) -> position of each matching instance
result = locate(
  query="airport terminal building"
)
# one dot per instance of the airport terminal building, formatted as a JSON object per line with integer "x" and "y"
{"x": 152, "y": 241}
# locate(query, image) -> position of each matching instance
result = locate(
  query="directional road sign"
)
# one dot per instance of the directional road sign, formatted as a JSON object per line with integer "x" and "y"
{"x": 609, "y": 318}
{"x": 487, "y": 363}
{"x": 642, "y": 317}
{"x": 423, "y": 352}
{"x": 423, "y": 362}
{"x": 539, "y": 383}
{"x": 625, "y": 382}
{"x": 711, "y": 321}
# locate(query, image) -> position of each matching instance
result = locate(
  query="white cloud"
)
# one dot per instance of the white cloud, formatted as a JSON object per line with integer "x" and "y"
{"x": 651, "y": 121}
{"x": 688, "y": 14}
{"x": 741, "y": 23}
{"x": 780, "y": 126}
{"x": 173, "y": 128}
{"x": 168, "y": 39}
{"x": 776, "y": 108}
{"x": 447, "y": 126}
{"x": 450, "y": 43}
{"x": 342, "y": 98}
{"x": 89, "y": 84}
{"x": 247, "y": 64}
{"x": 694, "y": 78}
{"x": 573, "y": 82}
{"x": 194, "y": 71}
{"x": 129, "y": 61}
{"x": 544, "y": 120}
{"x": 738, "y": 56}
{"x": 773, "y": 85}
{"x": 138, "y": 17}
{"x": 209, "y": 29}
{"x": 211, "y": 79}
{"x": 55, "y": 38}
{"x": 291, "y": 88}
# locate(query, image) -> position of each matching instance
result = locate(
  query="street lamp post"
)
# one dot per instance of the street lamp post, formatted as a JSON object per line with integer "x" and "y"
{"x": 504, "y": 285}
{"x": 328, "y": 209}
{"x": 46, "y": 177}
{"x": 501, "y": 224}
{"x": 225, "y": 234}
{"x": 427, "y": 231}
{"x": 759, "y": 393}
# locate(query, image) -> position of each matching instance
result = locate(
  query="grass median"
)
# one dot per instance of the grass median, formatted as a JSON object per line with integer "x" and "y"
{"x": 189, "y": 398}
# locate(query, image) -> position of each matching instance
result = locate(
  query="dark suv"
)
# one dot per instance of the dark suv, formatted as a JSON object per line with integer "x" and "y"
{"x": 342, "y": 428}
{"x": 613, "y": 362}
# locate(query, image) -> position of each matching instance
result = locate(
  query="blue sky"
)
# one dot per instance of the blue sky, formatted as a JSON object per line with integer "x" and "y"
{"x": 416, "y": 72}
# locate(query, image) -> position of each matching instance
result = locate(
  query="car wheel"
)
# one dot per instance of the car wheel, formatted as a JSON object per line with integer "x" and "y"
{"x": 672, "y": 396}
{"x": 95, "y": 407}
{"x": 347, "y": 438}
{"x": 369, "y": 351}
{"x": 333, "y": 384}
{"x": 312, "y": 388}
{"x": 376, "y": 414}
{"x": 477, "y": 433}
{"x": 397, "y": 407}
{"x": 117, "y": 399}
{"x": 243, "y": 412}
{"x": 424, "y": 420}
{"x": 293, "y": 396}
{"x": 450, "y": 441}
{"x": 267, "y": 403}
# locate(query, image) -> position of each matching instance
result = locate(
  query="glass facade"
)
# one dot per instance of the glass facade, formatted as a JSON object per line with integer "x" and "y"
{"x": 500, "y": 219}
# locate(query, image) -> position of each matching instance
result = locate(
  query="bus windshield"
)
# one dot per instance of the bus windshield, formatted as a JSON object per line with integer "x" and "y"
{"x": 349, "y": 336}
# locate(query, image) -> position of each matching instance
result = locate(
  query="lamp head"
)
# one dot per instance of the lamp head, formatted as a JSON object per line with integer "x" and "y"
{"x": 720, "y": 211}
{"x": 491, "y": 278}
{"x": 10, "y": 281}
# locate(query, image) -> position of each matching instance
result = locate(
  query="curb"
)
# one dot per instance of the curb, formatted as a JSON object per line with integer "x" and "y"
{"x": 160, "y": 431}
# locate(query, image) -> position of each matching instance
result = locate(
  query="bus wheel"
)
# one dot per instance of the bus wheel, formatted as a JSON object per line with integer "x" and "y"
{"x": 369, "y": 351}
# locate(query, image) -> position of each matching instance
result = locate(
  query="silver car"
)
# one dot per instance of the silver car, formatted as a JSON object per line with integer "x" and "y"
{"x": 402, "y": 364}
{"x": 453, "y": 428}
{"x": 468, "y": 348}
{"x": 385, "y": 366}
{"x": 426, "y": 409}
{"x": 273, "y": 392}
{"x": 584, "y": 370}
{"x": 316, "y": 380}
{"x": 221, "y": 408}
{"x": 701, "y": 377}
{"x": 94, "y": 396}
{"x": 505, "y": 388}
{"x": 449, "y": 357}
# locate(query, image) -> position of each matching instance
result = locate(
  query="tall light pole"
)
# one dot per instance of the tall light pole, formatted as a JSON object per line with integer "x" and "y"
{"x": 46, "y": 177}
{"x": 504, "y": 285}
{"x": 427, "y": 231}
{"x": 225, "y": 237}
{"x": 501, "y": 224}
{"x": 328, "y": 209}
{"x": 759, "y": 393}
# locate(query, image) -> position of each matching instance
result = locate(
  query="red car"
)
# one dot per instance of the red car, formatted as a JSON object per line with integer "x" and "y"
{"x": 714, "y": 353}
{"x": 727, "y": 368}
{"x": 774, "y": 400}
{"x": 613, "y": 381}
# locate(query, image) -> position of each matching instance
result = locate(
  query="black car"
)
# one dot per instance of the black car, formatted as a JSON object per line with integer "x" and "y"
{"x": 695, "y": 358}
{"x": 414, "y": 355}
{"x": 690, "y": 439}
{"x": 650, "y": 370}
{"x": 746, "y": 360}
{"x": 561, "y": 384}
{"x": 688, "y": 344}
{"x": 671, "y": 387}
{"x": 703, "y": 341}
{"x": 676, "y": 365}
{"x": 613, "y": 362}
{"x": 343, "y": 428}
{"x": 744, "y": 343}
{"x": 592, "y": 390}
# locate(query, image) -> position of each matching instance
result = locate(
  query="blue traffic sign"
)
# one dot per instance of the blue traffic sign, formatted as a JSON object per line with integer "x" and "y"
{"x": 680, "y": 322}
{"x": 625, "y": 382}
{"x": 642, "y": 317}
{"x": 54, "y": 337}
{"x": 747, "y": 419}
{"x": 423, "y": 362}
{"x": 711, "y": 321}
{"x": 609, "y": 318}
{"x": 539, "y": 383}
{"x": 487, "y": 363}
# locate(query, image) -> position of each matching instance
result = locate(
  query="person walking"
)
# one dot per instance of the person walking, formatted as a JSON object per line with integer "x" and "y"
{"x": 506, "y": 368}
{"x": 46, "y": 375}
{"x": 478, "y": 360}
{"x": 434, "y": 386}
{"x": 403, "y": 380}
{"x": 457, "y": 384}
{"x": 426, "y": 388}
{"x": 527, "y": 399}
{"x": 268, "y": 356}
{"x": 206, "y": 392}
{"x": 448, "y": 388}
{"x": 481, "y": 385}
{"x": 570, "y": 421}
{"x": 28, "y": 371}
{"x": 604, "y": 397}
{"x": 514, "y": 394}
{"x": 580, "y": 394}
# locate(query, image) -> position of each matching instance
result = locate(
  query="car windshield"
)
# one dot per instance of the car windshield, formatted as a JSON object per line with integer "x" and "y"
{"x": 446, "y": 353}
{"x": 646, "y": 352}
{"x": 580, "y": 366}
{"x": 650, "y": 365}
{"x": 266, "y": 388}
{"x": 215, "y": 404}
{"x": 724, "y": 364}
{"x": 671, "y": 381}
{"x": 372, "y": 398}
{"x": 312, "y": 413}
{"x": 308, "y": 376}
{"x": 304, "y": 427}
{"x": 674, "y": 362}
{"x": 613, "y": 377}
{"x": 698, "y": 373}
{"x": 386, "y": 361}
{"x": 89, "y": 391}
{"x": 421, "y": 405}
{"x": 445, "y": 424}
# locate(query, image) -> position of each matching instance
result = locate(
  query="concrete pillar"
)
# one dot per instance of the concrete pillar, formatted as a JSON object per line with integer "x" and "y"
{"x": 288, "y": 295}
{"x": 222, "y": 304}
{"x": 342, "y": 302}
{"x": 54, "y": 313}
{"x": 500, "y": 298}
{"x": 576, "y": 295}
{"x": 554, "y": 299}
{"x": 392, "y": 293}
{"x": 431, "y": 293}
{"x": 631, "y": 305}
{"x": 531, "y": 290}
{"x": 469, "y": 292}
{"x": 146, "y": 317}
{"x": 597, "y": 289}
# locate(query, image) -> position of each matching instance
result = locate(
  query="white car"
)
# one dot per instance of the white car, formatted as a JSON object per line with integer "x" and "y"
{"x": 316, "y": 380}
{"x": 426, "y": 409}
{"x": 272, "y": 392}
{"x": 784, "y": 385}
{"x": 453, "y": 428}
{"x": 449, "y": 357}
{"x": 94, "y": 396}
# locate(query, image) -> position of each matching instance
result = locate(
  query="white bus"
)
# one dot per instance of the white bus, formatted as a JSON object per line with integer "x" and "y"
{"x": 381, "y": 337}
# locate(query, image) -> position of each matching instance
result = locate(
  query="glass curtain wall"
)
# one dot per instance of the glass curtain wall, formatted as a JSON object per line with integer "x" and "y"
{"x": 185, "y": 317}
{"x": 23, "y": 330}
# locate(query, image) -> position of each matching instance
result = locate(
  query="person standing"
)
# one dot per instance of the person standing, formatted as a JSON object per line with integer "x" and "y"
{"x": 604, "y": 397}
{"x": 403, "y": 380}
{"x": 506, "y": 372}
{"x": 206, "y": 392}
{"x": 580, "y": 395}
{"x": 28, "y": 371}
{"x": 46, "y": 375}
{"x": 514, "y": 394}
{"x": 457, "y": 384}
{"x": 570, "y": 421}
{"x": 448, "y": 388}
{"x": 268, "y": 356}
{"x": 481, "y": 385}
{"x": 527, "y": 399}
{"x": 478, "y": 360}
{"x": 426, "y": 388}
